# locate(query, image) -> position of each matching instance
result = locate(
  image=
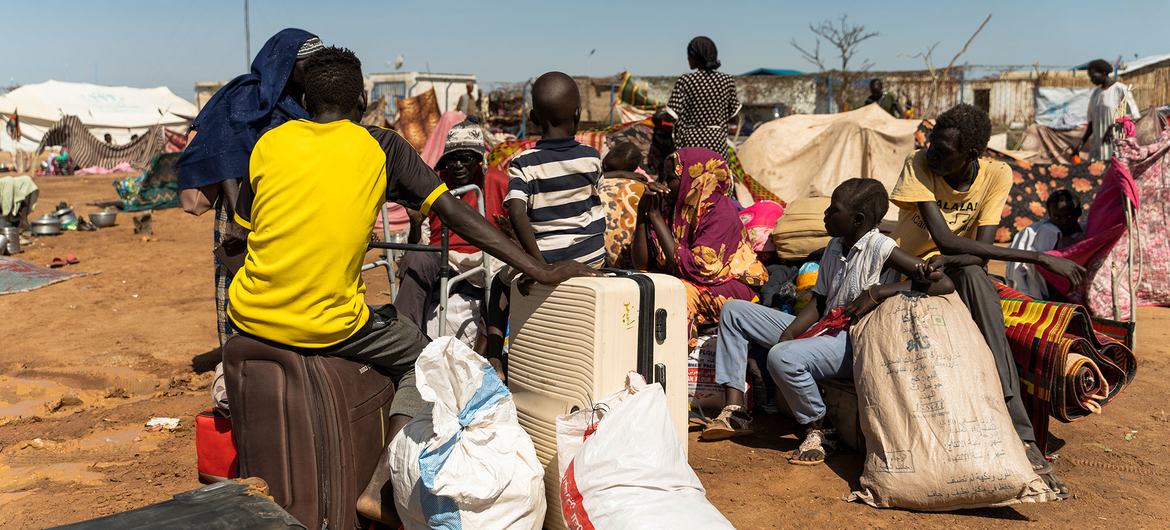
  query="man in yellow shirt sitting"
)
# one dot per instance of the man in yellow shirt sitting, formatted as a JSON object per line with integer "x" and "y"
{"x": 951, "y": 199}
{"x": 313, "y": 191}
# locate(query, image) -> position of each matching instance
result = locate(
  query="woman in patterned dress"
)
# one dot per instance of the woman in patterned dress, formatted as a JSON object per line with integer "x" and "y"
{"x": 703, "y": 242}
{"x": 703, "y": 101}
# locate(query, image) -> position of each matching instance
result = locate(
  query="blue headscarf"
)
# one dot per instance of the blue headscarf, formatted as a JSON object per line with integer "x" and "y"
{"x": 233, "y": 120}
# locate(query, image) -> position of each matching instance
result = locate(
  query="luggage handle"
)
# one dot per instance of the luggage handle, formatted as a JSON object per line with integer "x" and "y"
{"x": 647, "y": 318}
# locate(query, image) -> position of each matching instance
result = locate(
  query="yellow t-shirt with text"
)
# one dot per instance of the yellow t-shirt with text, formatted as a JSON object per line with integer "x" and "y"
{"x": 964, "y": 211}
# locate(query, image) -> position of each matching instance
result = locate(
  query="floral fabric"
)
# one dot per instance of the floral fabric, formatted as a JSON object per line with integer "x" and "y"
{"x": 620, "y": 197}
{"x": 1031, "y": 185}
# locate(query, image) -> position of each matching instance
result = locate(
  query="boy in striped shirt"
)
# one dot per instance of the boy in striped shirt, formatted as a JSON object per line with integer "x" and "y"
{"x": 553, "y": 198}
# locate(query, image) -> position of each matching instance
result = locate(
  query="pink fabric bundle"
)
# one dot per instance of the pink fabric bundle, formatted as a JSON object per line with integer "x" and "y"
{"x": 99, "y": 170}
{"x": 759, "y": 220}
{"x": 1106, "y": 222}
{"x": 433, "y": 151}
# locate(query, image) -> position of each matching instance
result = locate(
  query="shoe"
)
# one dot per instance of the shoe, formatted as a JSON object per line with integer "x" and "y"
{"x": 732, "y": 421}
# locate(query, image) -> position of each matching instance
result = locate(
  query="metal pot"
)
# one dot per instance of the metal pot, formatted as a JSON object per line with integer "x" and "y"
{"x": 103, "y": 219}
{"x": 66, "y": 215}
{"x": 46, "y": 225}
{"x": 12, "y": 234}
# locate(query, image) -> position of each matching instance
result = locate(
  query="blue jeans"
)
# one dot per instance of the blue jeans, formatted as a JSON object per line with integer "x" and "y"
{"x": 746, "y": 328}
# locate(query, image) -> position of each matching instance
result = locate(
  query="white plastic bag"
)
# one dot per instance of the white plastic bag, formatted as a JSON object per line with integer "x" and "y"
{"x": 464, "y": 319}
{"x": 466, "y": 463}
{"x": 623, "y": 467}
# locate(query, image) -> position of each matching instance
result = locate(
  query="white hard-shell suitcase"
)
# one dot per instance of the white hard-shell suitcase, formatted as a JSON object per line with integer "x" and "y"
{"x": 576, "y": 342}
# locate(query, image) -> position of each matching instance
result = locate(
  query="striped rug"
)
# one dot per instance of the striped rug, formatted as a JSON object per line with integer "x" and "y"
{"x": 1068, "y": 370}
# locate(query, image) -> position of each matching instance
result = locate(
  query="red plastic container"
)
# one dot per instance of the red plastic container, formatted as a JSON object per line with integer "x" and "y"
{"x": 214, "y": 447}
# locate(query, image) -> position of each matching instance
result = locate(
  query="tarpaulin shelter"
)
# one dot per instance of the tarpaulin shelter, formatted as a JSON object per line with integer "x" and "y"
{"x": 86, "y": 150}
{"x": 1051, "y": 145}
{"x": 1062, "y": 108}
{"x": 117, "y": 110}
{"x": 808, "y": 155}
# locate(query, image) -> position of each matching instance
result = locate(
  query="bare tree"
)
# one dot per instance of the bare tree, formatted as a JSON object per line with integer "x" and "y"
{"x": 846, "y": 38}
{"x": 931, "y": 109}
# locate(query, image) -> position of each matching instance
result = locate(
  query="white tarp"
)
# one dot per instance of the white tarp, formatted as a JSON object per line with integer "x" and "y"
{"x": 118, "y": 110}
{"x": 1062, "y": 108}
{"x": 808, "y": 155}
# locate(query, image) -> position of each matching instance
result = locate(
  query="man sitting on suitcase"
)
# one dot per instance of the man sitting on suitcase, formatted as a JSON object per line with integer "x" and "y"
{"x": 313, "y": 190}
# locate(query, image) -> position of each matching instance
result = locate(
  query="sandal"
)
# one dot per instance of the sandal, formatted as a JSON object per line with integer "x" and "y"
{"x": 697, "y": 419}
{"x": 816, "y": 446}
{"x": 731, "y": 422}
{"x": 71, "y": 259}
{"x": 57, "y": 263}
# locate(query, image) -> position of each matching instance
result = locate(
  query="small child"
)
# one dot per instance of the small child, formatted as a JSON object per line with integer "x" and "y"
{"x": 553, "y": 196}
{"x": 623, "y": 161}
{"x": 1061, "y": 229}
{"x": 849, "y": 277}
{"x": 622, "y": 186}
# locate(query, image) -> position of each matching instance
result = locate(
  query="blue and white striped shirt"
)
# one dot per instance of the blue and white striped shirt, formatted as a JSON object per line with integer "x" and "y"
{"x": 560, "y": 181}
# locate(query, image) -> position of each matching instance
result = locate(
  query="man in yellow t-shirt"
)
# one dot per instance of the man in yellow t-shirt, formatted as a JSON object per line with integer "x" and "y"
{"x": 313, "y": 191}
{"x": 951, "y": 200}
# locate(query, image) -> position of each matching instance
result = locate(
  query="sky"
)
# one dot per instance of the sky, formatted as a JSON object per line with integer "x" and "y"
{"x": 145, "y": 43}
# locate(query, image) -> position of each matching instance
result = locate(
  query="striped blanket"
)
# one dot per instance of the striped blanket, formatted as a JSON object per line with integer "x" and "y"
{"x": 1068, "y": 369}
{"x": 87, "y": 150}
{"x": 599, "y": 139}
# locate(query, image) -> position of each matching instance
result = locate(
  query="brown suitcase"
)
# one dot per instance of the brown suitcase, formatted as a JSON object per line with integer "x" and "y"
{"x": 313, "y": 427}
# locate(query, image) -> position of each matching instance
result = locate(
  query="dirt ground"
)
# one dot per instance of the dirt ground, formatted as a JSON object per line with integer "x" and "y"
{"x": 85, "y": 363}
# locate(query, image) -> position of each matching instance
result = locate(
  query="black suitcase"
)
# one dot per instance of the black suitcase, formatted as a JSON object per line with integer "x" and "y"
{"x": 224, "y": 505}
{"x": 313, "y": 427}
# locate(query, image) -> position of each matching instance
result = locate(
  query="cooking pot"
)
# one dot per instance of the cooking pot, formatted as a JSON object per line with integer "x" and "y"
{"x": 12, "y": 234}
{"x": 66, "y": 215}
{"x": 103, "y": 219}
{"x": 46, "y": 225}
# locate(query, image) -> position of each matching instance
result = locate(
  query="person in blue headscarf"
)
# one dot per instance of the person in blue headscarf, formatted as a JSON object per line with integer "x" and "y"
{"x": 221, "y": 141}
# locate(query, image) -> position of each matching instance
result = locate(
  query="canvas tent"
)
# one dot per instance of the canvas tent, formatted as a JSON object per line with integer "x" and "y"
{"x": 808, "y": 155}
{"x": 119, "y": 111}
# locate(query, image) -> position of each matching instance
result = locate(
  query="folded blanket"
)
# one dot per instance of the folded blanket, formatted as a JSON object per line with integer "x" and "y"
{"x": 1067, "y": 369}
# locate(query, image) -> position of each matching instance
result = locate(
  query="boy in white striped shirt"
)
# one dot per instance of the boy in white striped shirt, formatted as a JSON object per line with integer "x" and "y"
{"x": 553, "y": 198}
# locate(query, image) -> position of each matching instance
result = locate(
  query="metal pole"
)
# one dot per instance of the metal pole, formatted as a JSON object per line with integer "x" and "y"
{"x": 247, "y": 39}
{"x": 523, "y": 108}
{"x": 962, "y": 82}
{"x": 444, "y": 270}
{"x": 611, "y": 102}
